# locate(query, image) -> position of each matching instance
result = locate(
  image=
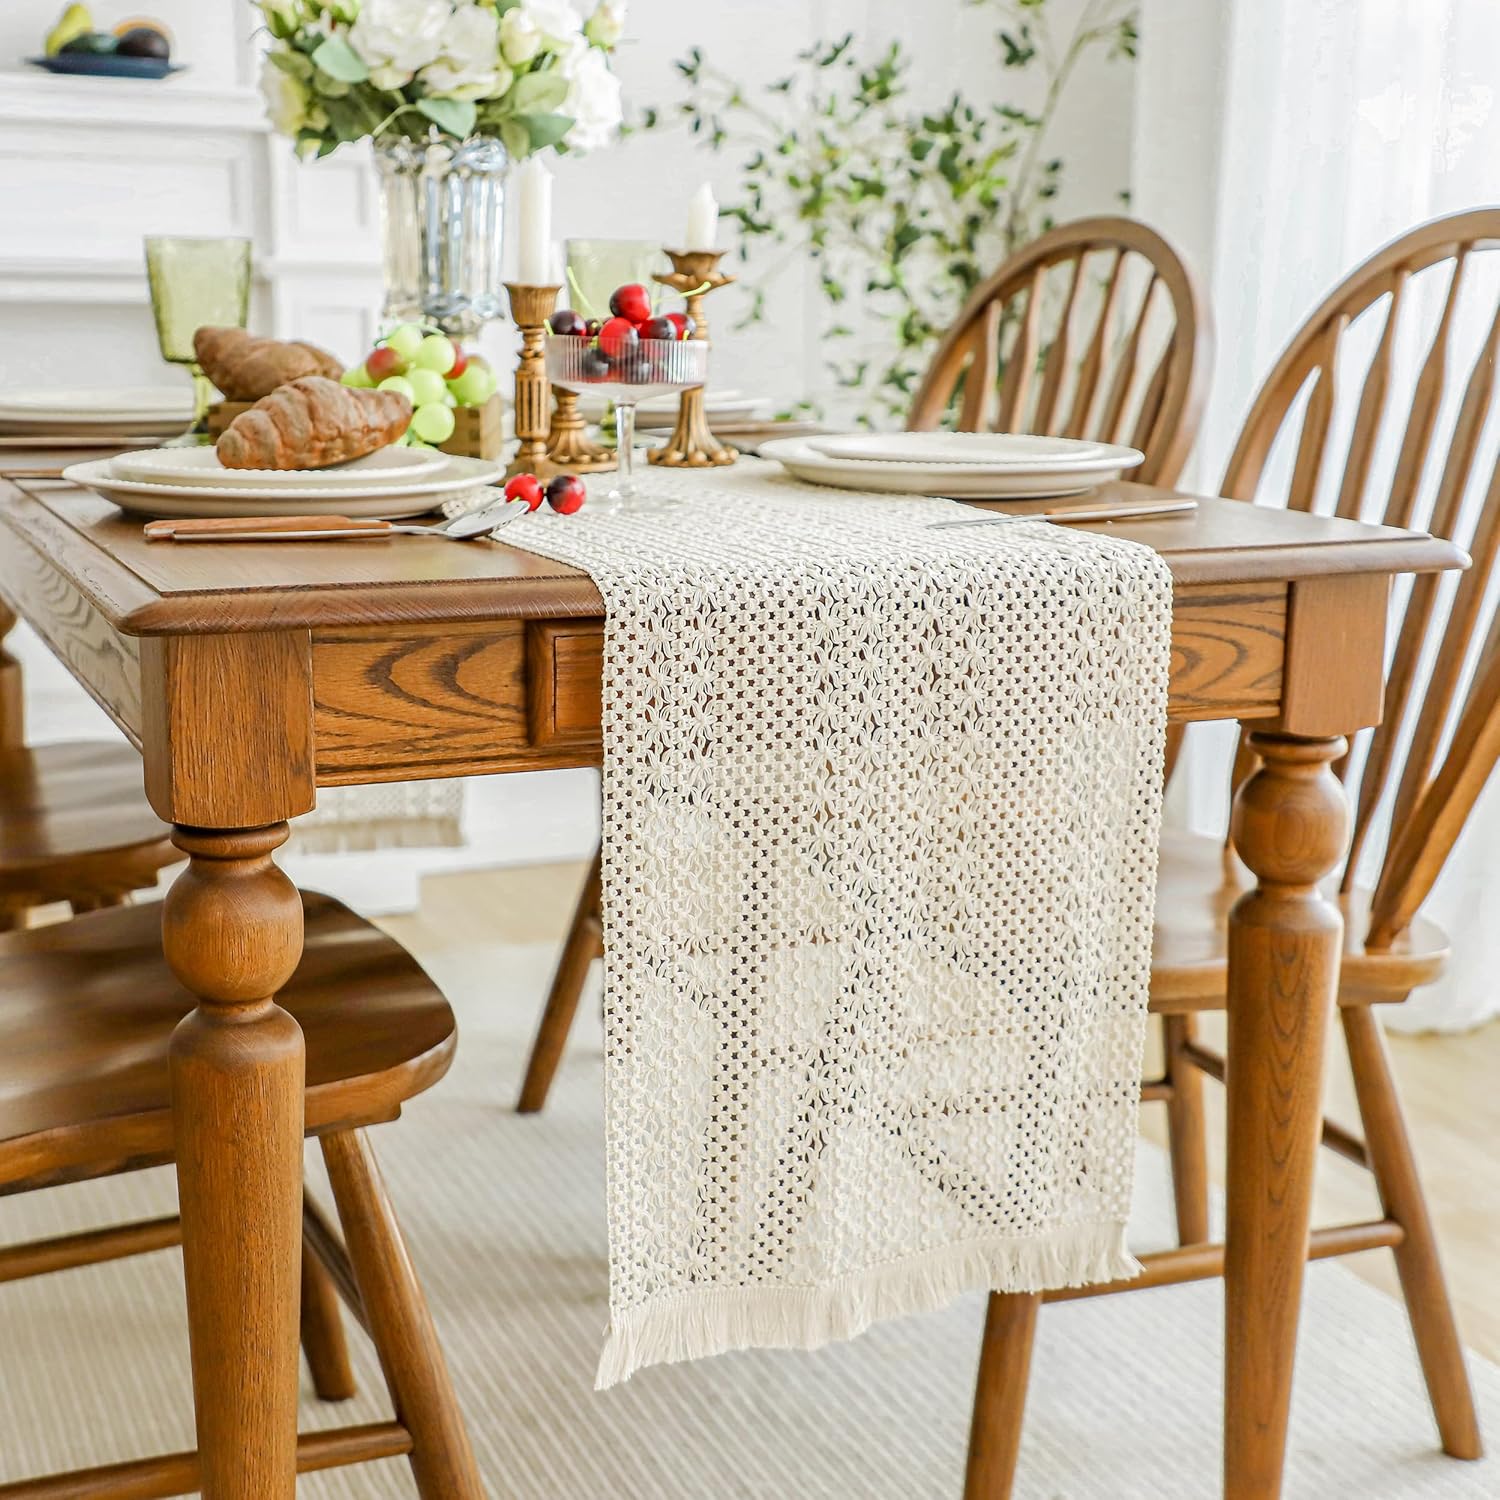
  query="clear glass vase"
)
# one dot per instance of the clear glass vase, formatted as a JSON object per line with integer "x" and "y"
{"x": 442, "y": 224}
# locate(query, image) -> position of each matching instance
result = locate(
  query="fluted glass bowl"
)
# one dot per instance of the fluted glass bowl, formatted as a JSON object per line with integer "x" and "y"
{"x": 626, "y": 374}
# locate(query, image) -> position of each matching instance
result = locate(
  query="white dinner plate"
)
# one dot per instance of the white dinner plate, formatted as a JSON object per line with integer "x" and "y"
{"x": 200, "y": 466}
{"x": 990, "y": 450}
{"x": 123, "y": 408}
{"x": 459, "y": 476}
{"x": 801, "y": 459}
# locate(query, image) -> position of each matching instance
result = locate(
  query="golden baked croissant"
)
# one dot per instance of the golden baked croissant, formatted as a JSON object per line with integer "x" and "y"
{"x": 312, "y": 423}
{"x": 245, "y": 366}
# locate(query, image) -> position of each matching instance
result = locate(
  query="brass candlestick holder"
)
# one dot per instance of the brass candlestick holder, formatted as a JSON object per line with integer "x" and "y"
{"x": 695, "y": 274}
{"x": 569, "y": 450}
{"x": 530, "y": 307}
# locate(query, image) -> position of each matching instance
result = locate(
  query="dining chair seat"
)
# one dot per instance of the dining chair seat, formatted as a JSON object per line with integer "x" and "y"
{"x": 88, "y": 1008}
{"x": 1199, "y": 879}
{"x": 75, "y": 826}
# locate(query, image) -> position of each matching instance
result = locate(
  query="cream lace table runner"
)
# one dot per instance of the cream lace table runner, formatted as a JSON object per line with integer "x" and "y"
{"x": 881, "y": 807}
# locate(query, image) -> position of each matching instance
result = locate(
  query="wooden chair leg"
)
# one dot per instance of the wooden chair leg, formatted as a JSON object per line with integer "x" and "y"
{"x": 400, "y": 1324}
{"x": 1000, "y": 1394}
{"x": 583, "y": 945}
{"x": 1187, "y": 1133}
{"x": 323, "y": 1339}
{"x": 1417, "y": 1262}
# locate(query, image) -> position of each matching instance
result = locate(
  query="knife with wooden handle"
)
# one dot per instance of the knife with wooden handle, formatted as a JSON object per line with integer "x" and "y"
{"x": 271, "y": 528}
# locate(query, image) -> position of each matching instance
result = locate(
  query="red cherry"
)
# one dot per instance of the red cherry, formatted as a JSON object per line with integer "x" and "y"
{"x": 526, "y": 487}
{"x": 684, "y": 325}
{"x": 384, "y": 362}
{"x": 567, "y": 323}
{"x": 592, "y": 327}
{"x": 632, "y": 301}
{"x": 460, "y": 364}
{"x": 659, "y": 328}
{"x": 566, "y": 494}
{"x": 617, "y": 335}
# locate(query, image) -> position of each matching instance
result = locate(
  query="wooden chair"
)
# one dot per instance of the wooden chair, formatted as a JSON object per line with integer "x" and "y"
{"x": 75, "y": 825}
{"x": 84, "y": 1092}
{"x": 76, "y": 829}
{"x": 1018, "y": 359}
{"x": 1427, "y": 762}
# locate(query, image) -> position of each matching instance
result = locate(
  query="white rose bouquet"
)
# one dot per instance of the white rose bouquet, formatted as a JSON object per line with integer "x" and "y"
{"x": 534, "y": 72}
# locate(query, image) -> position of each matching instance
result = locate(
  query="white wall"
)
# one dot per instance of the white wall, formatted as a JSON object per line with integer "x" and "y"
{"x": 88, "y": 166}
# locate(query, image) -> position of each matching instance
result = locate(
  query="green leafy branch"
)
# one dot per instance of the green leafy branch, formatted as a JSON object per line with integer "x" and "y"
{"x": 902, "y": 206}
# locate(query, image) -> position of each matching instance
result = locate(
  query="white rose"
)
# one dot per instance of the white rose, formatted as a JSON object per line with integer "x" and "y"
{"x": 593, "y": 98}
{"x": 520, "y": 41}
{"x": 469, "y": 65}
{"x": 556, "y": 21}
{"x": 396, "y": 37}
{"x": 607, "y": 24}
{"x": 286, "y": 98}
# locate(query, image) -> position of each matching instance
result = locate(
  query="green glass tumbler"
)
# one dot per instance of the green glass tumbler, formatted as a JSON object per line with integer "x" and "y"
{"x": 196, "y": 283}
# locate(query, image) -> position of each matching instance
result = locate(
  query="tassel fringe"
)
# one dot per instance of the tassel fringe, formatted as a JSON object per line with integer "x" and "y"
{"x": 694, "y": 1324}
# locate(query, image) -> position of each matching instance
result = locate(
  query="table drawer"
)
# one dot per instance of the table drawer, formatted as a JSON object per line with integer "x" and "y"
{"x": 565, "y": 676}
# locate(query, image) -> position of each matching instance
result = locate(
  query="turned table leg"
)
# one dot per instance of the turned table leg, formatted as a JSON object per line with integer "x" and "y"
{"x": 232, "y": 932}
{"x": 1289, "y": 826}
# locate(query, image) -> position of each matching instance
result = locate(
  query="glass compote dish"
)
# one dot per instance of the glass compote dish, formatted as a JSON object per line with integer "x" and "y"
{"x": 626, "y": 371}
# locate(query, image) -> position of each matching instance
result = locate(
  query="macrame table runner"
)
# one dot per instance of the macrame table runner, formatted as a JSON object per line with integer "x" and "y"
{"x": 881, "y": 808}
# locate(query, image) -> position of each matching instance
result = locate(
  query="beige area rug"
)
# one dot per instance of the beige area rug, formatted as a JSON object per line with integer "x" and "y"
{"x": 505, "y": 1218}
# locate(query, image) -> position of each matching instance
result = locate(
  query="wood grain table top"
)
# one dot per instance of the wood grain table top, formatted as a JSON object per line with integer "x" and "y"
{"x": 154, "y": 588}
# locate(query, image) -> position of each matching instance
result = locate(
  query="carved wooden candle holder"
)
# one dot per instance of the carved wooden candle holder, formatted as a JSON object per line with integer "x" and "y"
{"x": 530, "y": 307}
{"x": 695, "y": 274}
{"x": 569, "y": 449}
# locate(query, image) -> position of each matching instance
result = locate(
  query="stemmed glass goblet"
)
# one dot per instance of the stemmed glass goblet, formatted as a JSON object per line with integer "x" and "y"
{"x": 196, "y": 283}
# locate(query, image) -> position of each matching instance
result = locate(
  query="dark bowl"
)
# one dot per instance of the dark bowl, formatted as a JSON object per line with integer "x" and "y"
{"x": 108, "y": 65}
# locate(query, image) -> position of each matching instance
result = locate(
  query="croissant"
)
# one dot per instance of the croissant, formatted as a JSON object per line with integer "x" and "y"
{"x": 312, "y": 423}
{"x": 245, "y": 366}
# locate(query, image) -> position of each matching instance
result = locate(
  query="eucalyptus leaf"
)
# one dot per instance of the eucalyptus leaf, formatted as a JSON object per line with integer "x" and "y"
{"x": 545, "y": 130}
{"x": 456, "y": 116}
{"x": 515, "y": 138}
{"x": 537, "y": 93}
{"x": 339, "y": 60}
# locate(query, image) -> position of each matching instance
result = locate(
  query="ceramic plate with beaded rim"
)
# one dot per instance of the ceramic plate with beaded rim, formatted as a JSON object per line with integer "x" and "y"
{"x": 201, "y": 466}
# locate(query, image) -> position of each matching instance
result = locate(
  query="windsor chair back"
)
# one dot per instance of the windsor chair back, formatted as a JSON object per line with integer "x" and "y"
{"x": 1094, "y": 330}
{"x": 1412, "y": 457}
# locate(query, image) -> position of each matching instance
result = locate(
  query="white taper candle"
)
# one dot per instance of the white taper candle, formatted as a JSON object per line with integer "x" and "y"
{"x": 703, "y": 221}
{"x": 534, "y": 257}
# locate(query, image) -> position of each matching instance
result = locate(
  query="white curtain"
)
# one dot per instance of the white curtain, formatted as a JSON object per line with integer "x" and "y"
{"x": 1279, "y": 142}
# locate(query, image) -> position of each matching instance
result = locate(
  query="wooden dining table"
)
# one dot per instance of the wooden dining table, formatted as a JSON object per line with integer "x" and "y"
{"x": 249, "y": 675}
